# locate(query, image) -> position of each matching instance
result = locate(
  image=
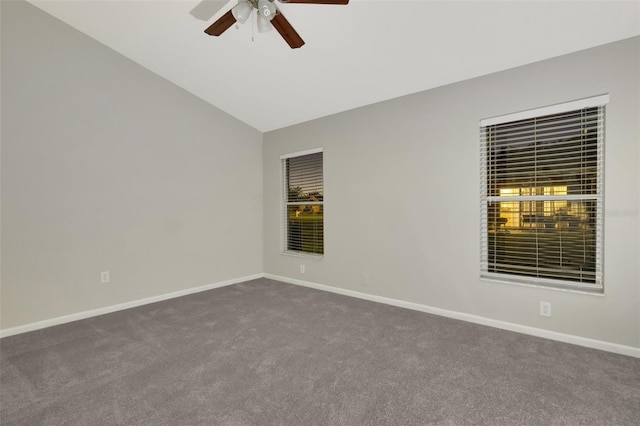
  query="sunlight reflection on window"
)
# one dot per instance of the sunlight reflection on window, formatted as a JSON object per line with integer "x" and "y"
{"x": 516, "y": 214}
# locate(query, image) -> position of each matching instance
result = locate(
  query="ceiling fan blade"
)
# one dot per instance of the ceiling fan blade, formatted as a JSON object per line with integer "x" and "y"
{"x": 221, "y": 25}
{"x": 206, "y": 9}
{"x": 316, "y": 1}
{"x": 287, "y": 32}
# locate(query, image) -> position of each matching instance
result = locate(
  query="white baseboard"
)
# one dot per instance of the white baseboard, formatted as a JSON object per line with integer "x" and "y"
{"x": 108, "y": 309}
{"x": 552, "y": 335}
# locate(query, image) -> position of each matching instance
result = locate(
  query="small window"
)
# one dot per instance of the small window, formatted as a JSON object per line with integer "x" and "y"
{"x": 303, "y": 203}
{"x": 541, "y": 196}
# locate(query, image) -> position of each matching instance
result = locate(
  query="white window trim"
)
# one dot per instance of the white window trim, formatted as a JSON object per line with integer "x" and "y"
{"x": 595, "y": 101}
{"x": 598, "y": 286}
{"x": 301, "y": 153}
{"x": 283, "y": 198}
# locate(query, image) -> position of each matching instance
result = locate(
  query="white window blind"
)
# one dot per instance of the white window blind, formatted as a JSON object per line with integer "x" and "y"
{"x": 303, "y": 210}
{"x": 541, "y": 196}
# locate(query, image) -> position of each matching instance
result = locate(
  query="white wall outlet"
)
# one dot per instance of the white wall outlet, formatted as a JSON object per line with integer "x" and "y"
{"x": 105, "y": 277}
{"x": 365, "y": 281}
{"x": 545, "y": 309}
{"x": 303, "y": 269}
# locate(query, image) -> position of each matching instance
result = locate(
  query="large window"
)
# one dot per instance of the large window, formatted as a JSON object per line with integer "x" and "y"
{"x": 303, "y": 195}
{"x": 541, "y": 195}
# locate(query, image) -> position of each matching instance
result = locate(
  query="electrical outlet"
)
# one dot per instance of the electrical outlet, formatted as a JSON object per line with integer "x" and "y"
{"x": 105, "y": 277}
{"x": 545, "y": 309}
{"x": 303, "y": 269}
{"x": 365, "y": 281}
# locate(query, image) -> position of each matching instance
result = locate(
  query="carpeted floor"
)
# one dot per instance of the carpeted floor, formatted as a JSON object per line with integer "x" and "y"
{"x": 265, "y": 353}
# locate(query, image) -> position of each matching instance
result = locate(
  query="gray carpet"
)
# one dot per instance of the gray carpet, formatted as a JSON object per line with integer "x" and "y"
{"x": 264, "y": 353}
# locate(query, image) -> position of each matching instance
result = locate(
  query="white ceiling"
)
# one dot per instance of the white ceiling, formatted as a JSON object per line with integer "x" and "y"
{"x": 366, "y": 52}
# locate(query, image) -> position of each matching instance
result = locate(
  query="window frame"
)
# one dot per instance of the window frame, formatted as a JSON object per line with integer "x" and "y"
{"x": 598, "y": 198}
{"x": 286, "y": 203}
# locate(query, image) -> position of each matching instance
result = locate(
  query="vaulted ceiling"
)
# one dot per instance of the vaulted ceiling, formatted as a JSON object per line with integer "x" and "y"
{"x": 362, "y": 53}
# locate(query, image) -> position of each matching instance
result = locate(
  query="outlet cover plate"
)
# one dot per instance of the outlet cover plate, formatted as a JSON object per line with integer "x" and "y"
{"x": 545, "y": 309}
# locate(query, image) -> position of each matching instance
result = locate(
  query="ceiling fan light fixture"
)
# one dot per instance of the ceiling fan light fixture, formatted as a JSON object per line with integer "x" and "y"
{"x": 263, "y": 24}
{"x": 242, "y": 11}
{"x": 266, "y": 9}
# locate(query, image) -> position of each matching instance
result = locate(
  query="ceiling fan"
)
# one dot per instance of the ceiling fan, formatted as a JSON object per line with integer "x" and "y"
{"x": 269, "y": 15}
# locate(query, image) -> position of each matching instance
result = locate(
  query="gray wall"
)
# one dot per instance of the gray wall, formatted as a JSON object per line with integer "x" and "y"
{"x": 106, "y": 166}
{"x": 402, "y": 195}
